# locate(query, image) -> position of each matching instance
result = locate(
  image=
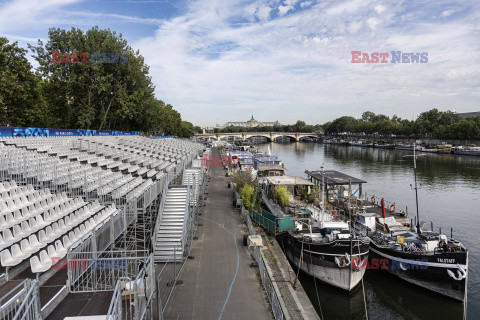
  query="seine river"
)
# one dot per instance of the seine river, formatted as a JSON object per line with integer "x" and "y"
{"x": 449, "y": 195}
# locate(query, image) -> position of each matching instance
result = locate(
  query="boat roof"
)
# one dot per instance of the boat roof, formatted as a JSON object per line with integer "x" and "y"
{"x": 289, "y": 180}
{"x": 271, "y": 167}
{"x": 334, "y": 177}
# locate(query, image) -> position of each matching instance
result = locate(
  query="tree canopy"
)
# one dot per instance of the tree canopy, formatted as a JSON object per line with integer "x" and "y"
{"x": 429, "y": 124}
{"x": 21, "y": 102}
{"x": 85, "y": 79}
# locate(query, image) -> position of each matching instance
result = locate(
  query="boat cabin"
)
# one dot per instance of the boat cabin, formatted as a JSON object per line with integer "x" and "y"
{"x": 270, "y": 171}
{"x": 338, "y": 185}
{"x": 295, "y": 185}
{"x": 265, "y": 160}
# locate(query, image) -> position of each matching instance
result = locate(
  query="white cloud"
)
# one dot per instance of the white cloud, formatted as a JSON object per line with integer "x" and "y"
{"x": 283, "y": 10}
{"x": 303, "y": 59}
{"x": 263, "y": 12}
{"x": 354, "y": 27}
{"x": 448, "y": 13}
{"x": 290, "y": 2}
{"x": 380, "y": 8}
{"x": 305, "y": 4}
{"x": 14, "y": 14}
{"x": 258, "y": 10}
{"x": 373, "y": 23}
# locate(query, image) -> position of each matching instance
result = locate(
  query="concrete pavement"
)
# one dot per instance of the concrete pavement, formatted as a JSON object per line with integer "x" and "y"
{"x": 219, "y": 282}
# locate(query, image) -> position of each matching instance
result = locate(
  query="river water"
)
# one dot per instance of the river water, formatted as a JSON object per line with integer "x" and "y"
{"x": 449, "y": 195}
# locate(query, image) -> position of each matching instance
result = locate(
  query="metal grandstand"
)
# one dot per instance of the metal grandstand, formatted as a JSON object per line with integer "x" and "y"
{"x": 83, "y": 214}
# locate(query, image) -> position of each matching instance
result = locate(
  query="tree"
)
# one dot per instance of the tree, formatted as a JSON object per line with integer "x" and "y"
{"x": 186, "y": 130}
{"x": 282, "y": 195}
{"x": 246, "y": 194}
{"x": 243, "y": 178}
{"x": 94, "y": 94}
{"x": 368, "y": 116}
{"x": 299, "y": 126}
{"x": 256, "y": 200}
{"x": 21, "y": 102}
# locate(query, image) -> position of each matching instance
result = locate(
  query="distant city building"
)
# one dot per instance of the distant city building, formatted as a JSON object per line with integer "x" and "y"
{"x": 469, "y": 114}
{"x": 251, "y": 123}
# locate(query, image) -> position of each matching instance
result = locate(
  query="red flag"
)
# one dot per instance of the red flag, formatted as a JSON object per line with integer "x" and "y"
{"x": 383, "y": 208}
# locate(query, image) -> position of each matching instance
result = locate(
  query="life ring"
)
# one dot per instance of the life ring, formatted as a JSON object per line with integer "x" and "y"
{"x": 373, "y": 200}
{"x": 394, "y": 207}
{"x": 334, "y": 213}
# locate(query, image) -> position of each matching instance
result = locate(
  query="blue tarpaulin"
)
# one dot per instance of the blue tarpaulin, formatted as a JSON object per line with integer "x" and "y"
{"x": 49, "y": 132}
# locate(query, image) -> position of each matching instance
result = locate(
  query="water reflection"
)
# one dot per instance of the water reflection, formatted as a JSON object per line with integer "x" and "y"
{"x": 386, "y": 298}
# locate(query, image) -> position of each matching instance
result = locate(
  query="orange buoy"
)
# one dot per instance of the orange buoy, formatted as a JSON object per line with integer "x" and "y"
{"x": 373, "y": 200}
{"x": 334, "y": 213}
{"x": 392, "y": 206}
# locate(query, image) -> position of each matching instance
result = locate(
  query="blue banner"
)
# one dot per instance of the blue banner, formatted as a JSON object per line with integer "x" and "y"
{"x": 45, "y": 132}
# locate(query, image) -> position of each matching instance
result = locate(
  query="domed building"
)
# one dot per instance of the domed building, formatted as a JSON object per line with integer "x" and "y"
{"x": 251, "y": 123}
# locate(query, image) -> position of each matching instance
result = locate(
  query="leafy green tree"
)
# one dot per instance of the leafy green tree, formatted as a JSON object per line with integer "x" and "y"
{"x": 186, "y": 130}
{"x": 21, "y": 102}
{"x": 282, "y": 195}
{"x": 243, "y": 178}
{"x": 111, "y": 94}
{"x": 246, "y": 194}
{"x": 368, "y": 116}
{"x": 256, "y": 200}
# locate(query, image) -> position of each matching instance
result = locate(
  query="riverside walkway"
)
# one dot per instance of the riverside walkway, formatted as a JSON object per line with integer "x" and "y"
{"x": 219, "y": 282}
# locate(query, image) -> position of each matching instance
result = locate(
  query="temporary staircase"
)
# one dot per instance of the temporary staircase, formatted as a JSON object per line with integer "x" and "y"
{"x": 170, "y": 225}
{"x": 191, "y": 177}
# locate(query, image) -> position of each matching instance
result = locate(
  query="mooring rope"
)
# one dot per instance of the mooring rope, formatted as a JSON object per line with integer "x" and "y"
{"x": 363, "y": 288}
{"x": 315, "y": 281}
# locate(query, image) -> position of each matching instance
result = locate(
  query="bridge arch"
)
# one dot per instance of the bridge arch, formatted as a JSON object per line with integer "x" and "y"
{"x": 292, "y": 137}
{"x": 307, "y": 136}
{"x": 259, "y": 135}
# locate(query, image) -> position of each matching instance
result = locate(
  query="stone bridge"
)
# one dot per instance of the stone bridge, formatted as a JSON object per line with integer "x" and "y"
{"x": 270, "y": 136}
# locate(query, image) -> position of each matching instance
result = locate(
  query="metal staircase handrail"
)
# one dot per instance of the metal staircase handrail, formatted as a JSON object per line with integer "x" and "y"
{"x": 185, "y": 216}
{"x": 160, "y": 211}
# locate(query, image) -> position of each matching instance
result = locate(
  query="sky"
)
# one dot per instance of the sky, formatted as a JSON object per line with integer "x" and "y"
{"x": 287, "y": 60}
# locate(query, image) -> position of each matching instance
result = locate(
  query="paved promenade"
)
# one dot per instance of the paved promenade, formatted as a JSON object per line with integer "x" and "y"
{"x": 219, "y": 282}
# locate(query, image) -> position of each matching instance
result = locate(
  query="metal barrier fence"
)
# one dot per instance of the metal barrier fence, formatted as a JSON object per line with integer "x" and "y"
{"x": 22, "y": 302}
{"x": 133, "y": 296}
{"x": 97, "y": 241}
{"x": 266, "y": 281}
{"x": 267, "y": 284}
{"x": 105, "y": 234}
{"x": 91, "y": 272}
{"x": 167, "y": 279}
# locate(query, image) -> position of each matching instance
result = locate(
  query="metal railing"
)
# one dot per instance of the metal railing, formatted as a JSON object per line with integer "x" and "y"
{"x": 22, "y": 302}
{"x": 267, "y": 284}
{"x": 133, "y": 299}
{"x": 160, "y": 209}
{"x": 168, "y": 276}
{"x": 93, "y": 272}
{"x": 186, "y": 216}
{"x": 266, "y": 281}
{"x": 167, "y": 279}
